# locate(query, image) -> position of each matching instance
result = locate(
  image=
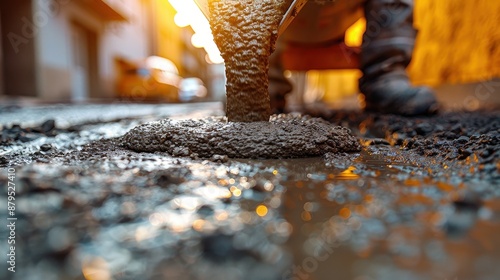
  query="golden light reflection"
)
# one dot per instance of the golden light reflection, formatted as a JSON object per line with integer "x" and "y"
{"x": 348, "y": 174}
{"x": 306, "y": 216}
{"x": 472, "y": 159}
{"x": 223, "y": 182}
{"x": 235, "y": 191}
{"x": 96, "y": 269}
{"x": 221, "y": 216}
{"x": 198, "y": 225}
{"x": 261, "y": 210}
{"x": 412, "y": 183}
{"x": 354, "y": 34}
{"x": 445, "y": 187}
{"x": 345, "y": 213}
{"x": 188, "y": 13}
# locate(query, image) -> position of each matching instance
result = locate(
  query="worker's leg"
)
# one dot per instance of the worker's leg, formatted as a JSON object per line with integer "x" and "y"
{"x": 386, "y": 52}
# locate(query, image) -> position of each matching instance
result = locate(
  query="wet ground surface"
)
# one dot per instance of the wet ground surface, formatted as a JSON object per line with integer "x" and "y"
{"x": 420, "y": 201}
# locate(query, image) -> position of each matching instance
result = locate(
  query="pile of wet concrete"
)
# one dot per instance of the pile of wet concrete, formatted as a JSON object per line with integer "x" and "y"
{"x": 284, "y": 136}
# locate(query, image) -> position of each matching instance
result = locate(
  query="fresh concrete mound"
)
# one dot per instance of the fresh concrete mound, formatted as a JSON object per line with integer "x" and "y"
{"x": 284, "y": 136}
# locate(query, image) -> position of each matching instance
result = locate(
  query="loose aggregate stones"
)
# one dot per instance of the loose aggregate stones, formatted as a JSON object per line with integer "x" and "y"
{"x": 16, "y": 132}
{"x": 284, "y": 136}
{"x": 246, "y": 31}
{"x": 452, "y": 136}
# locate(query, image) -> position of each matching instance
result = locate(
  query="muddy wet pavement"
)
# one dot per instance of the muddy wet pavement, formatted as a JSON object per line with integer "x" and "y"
{"x": 421, "y": 200}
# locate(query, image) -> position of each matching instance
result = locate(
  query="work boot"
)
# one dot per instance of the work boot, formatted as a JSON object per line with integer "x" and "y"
{"x": 386, "y": 52}
{"x": 279, "y": 85}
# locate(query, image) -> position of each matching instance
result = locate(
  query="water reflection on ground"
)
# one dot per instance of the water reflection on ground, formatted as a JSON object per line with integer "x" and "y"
{"x": 381, "y": 214}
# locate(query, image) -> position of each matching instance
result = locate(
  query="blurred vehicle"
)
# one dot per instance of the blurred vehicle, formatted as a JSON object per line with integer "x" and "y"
{"x": 192, "y": 89}
{"x": 153, "y": 79}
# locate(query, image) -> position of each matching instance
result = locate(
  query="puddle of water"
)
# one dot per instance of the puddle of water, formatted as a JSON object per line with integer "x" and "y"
{"x": 379, "y": 218}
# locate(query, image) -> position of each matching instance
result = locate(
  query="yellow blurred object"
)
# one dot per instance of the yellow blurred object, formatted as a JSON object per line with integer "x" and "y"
{"x": 189, "y": 13}
{"x": 261, "y": 210}
{"x": 336, "y": 84}
{"x": 169, "y": 43}
{"x": 458, "y": 41}
{"x": 354, "y": 35}
{"x": 331, "y": 85}
{"x": 155, "y": 78}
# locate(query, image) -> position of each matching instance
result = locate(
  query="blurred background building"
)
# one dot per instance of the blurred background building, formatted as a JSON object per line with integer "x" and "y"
{"x": 76, "y": 50}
